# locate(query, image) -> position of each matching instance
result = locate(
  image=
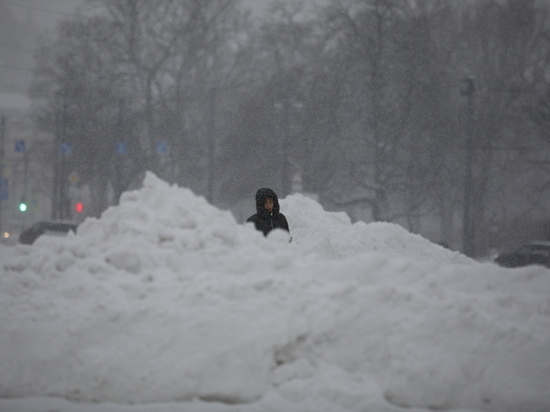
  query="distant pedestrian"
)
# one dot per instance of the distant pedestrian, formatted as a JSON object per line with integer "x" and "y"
{"x": 267, "y": 216}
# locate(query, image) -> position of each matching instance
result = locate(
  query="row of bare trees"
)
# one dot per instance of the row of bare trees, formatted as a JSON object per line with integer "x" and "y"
{"x": 360, "y": 98}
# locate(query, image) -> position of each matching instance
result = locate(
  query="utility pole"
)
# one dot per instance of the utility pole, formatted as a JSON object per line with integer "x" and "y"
{"x": 285, "y": 179}
{"x": 56, "y": 165}
{"x": 468, "y": 227}
{"x": 120, "y": 152}
{"x": 25, "y": 187}
{"x": 60, "y": 209}
{"x": 2, "y": 181}
{"x": 211, "y": 144}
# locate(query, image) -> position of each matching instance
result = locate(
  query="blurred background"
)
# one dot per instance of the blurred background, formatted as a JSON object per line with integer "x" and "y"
{"x": 431, "y": 114}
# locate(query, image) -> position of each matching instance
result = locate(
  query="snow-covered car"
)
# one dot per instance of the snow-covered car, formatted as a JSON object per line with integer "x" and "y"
{"x": 51, "y": 228}
{"x": 532, "y": 253}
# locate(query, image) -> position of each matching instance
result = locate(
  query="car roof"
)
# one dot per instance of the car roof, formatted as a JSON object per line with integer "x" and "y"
{"x": 29, "y": 235}
{"x": 54, "y": 222}
{"x": 55, "y": 225}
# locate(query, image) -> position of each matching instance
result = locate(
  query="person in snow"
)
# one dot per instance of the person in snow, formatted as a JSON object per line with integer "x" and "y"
{"x": 267, "y": 216}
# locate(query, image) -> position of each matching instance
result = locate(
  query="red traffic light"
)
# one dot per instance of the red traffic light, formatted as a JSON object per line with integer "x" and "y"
{"x": 79, "y": 208}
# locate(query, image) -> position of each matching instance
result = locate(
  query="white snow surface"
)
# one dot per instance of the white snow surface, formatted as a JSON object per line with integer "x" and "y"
{"x": 166, "y": 303}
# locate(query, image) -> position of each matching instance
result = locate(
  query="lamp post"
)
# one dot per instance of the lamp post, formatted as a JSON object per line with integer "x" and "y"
{"x": 288, "y": 108}
{"x": 211, "y": 143}
{"x": 2, "y": 182}
{"x": 468, "y": 227}
{"x": 285, "y": 178}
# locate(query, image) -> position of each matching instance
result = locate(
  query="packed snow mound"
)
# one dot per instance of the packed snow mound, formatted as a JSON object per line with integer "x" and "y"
{"x": 333, "y": 236}
{"x": 169, "y": 217}
{"x": 156, "y": 225}
{"x": 152, "y": 229}
{"x": 168, "y": 299}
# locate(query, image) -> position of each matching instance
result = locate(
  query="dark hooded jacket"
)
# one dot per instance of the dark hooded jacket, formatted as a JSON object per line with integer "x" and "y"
{"x": 264, "y": 220}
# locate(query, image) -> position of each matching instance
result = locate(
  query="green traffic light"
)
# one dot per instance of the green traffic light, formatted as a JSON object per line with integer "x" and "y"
{"x": 23, "y": 207}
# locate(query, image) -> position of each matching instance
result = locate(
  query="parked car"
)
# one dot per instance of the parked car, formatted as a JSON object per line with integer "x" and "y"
{"x": 532, "y": 253}
{"x": 55, "y": 228}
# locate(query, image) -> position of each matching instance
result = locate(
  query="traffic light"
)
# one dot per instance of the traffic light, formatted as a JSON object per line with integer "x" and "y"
{"x": 79, "y": 207}
{"x": 23, "y": 206}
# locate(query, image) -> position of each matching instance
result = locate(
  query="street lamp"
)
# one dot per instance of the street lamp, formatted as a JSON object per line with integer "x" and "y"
{"x": 287, "y": 107}
{"x": 468, "y": 228}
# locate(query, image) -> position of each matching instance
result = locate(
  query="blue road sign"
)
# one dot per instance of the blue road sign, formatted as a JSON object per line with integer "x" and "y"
{"x": 162, "y": 147}
{"x": 4, "y": 188}
{"x": 121, "y": 148}
{"x": 20, "y": 146}
{"x": 66, "y": 148}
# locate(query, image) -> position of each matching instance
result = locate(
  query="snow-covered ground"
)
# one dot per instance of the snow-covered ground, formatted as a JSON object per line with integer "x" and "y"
{"x": 166, "y": 303}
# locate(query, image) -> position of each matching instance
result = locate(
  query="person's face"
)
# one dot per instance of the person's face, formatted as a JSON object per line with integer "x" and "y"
{"x": 268, "y": 204}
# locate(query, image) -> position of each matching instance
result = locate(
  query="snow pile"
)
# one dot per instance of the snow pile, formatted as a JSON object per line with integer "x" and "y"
{"x": 167, "y": 299}
{"x": 333, "y": 236}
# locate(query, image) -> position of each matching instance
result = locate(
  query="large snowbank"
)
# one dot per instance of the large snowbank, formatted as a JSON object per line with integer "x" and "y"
{"x": 167, "y": 303}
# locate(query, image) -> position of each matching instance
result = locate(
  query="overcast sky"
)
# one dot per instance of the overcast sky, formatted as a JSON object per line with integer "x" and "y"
{"x": 43, "y": 12}
{"x": 47, "y": 12}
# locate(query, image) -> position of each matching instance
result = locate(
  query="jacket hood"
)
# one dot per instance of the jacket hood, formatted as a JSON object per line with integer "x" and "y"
{"x": 261, "y": 195}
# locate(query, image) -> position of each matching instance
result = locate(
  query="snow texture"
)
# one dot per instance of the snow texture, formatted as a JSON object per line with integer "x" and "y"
{"x": 166, "y": 303}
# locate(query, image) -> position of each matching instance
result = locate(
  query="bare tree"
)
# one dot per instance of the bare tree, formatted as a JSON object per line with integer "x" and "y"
{"x": 268, "y": 135}
{"x": 505, "y": 48}
{"x": 140, "y": 74}
{"x": 376, "y": 101}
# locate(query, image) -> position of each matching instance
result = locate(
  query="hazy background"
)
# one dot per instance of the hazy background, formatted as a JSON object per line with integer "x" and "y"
{"x": 46, "y": 13}
{"x": 431, "y": 114}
